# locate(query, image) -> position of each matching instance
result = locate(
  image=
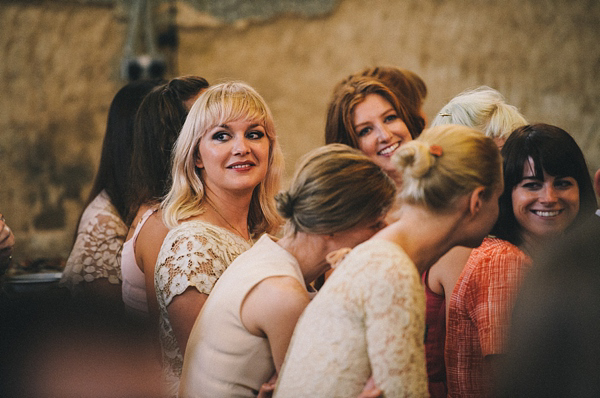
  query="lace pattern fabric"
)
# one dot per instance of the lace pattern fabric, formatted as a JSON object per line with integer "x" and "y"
{"x": 367, "y": 319}
{"x": 195, "y": 254}
{"x": 97, "y": 250}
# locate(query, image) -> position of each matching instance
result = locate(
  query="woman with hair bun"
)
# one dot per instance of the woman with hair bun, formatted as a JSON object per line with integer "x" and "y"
{"x": 337, "y": 199}
{"x": 368, "y": 319}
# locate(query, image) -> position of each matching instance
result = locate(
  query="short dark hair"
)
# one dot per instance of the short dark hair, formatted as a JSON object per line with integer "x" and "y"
{"x": 552, "y": 150}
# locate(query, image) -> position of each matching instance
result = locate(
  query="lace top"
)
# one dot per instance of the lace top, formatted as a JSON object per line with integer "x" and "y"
{"x": 195, "y": 253}
{"x": 97, "y": 249}
{"x": 368, "y": 318}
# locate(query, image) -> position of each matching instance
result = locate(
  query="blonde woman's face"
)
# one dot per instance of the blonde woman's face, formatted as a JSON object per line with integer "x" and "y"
{"x": 380, "y": 130}
{"x": 234, "y": 156}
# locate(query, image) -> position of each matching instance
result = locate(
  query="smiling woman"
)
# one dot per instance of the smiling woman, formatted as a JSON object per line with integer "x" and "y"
{"x": 226, "y": 170}
{"x": 366, "y": 114}
{"x": 547, "y": 190}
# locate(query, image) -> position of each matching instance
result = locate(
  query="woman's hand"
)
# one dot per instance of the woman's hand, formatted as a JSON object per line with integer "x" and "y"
{"x": 370, "y": 391}
{"x": 266, "y": 390}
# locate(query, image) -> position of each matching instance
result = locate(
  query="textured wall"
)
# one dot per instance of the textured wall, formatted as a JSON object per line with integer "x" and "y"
{"x": 60, "y": 70}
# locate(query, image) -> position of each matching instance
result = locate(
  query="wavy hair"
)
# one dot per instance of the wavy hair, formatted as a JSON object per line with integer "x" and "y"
{"x": 220, "y": 104}
{"x": 339, "y": 127}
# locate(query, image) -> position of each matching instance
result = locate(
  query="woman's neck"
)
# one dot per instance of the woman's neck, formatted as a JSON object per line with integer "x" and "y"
{"x": 530, "y": 243}
{"x": 227, "y": 211}
{"x": 424, "y": 236}
{"x": 309, "y": 250}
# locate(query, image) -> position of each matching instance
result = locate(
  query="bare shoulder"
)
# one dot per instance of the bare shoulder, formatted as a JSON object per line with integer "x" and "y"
{"x": 283, "y": 290}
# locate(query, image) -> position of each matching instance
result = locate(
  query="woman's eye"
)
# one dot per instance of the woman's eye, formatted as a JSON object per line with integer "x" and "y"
{"x": 563, "y": 183}
{"x": 532, "y": 185}
{"x": 390, "y": 118}
{"x": 255, "y": 134}
{"x": 363, "y": 131}
{"x": 220, "y": 136}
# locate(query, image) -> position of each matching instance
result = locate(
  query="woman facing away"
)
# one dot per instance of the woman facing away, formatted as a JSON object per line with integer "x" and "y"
{"x": 369, "y": 316}
{"x": 226, "y": 170}
{"x": 158, "y": 123}
{"x": 338, "y": 198}
{"x": 484, "y": 109}
{"x": 94, "y": 264}
{"x": 547, "y": 190}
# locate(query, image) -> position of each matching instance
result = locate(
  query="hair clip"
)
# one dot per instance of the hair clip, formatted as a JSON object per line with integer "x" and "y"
{"x": 436, "y": 150}
{"x": 445, "y": 114}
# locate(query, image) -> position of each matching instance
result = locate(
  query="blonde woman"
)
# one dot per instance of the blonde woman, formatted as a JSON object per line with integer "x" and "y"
{"x": 369, "y": 317}
{"x": 337, "y": 198}
{"x": 226, "y": 170}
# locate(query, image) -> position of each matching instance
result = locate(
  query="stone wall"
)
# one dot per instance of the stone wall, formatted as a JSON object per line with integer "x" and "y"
{"x": 60, "y": 69}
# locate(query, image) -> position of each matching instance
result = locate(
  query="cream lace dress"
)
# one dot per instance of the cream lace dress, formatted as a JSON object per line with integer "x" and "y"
{"x": 369, "y": 318}
{"x": 195, "y": 253}
{"x": 97, "y": 249}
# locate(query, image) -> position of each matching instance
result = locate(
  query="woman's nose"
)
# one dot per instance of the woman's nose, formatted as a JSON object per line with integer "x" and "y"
{"x": 383, "y": 133}
{"x": 240, "y": 146}
{"x": 549, "y": 194}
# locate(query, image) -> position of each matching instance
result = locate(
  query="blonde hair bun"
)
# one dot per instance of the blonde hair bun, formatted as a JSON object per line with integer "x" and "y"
{"x": 414, "y": 159}
{"x": 446, "y": 162}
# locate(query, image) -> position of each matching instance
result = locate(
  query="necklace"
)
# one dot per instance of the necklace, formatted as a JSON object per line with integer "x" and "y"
{"x": 228, "y": 223}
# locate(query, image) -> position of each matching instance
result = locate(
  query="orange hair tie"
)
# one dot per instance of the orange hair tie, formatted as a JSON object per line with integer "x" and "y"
{"x": 436, "y": 150}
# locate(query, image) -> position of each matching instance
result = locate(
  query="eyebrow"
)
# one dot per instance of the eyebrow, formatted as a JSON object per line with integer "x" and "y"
{"x": 226, "y": 125}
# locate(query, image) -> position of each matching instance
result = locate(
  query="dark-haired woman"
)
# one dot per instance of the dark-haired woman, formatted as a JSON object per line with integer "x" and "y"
{"x": 338, "y": 198}
{"x": 547, "y": 190}
{"x": 158, "y": 123}
{"x": 94, "y": 264}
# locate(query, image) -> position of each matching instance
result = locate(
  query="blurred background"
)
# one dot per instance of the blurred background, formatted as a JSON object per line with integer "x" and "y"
{"x": 62, "y": 61}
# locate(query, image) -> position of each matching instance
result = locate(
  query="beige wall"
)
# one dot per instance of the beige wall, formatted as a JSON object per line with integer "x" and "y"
{"x": 60, "y": 69}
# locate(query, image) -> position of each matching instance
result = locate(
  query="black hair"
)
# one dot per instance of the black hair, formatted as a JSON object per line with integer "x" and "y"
{"x": 552, "y": 150}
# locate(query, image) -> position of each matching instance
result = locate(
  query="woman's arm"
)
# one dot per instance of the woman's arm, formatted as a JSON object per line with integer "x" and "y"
{"x": 271, "y": 309}
{"x": 183, "y": 311}
{"x": 147, "y": 248}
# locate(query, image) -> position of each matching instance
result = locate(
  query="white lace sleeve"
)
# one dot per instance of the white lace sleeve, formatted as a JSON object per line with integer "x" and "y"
{"x": 195, "y": 258}
{"x": 97, "y": 249}
{"x": 394, "y": 308}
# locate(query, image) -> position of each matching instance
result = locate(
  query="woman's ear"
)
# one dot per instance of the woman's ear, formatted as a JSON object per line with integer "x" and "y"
{"x": 476, "y": 202}
{"x": 198, "y": 162}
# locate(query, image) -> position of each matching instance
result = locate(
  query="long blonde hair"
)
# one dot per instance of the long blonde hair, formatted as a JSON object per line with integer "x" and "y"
{"x": 446, "y": 162}
{"x": 220, "y": 104}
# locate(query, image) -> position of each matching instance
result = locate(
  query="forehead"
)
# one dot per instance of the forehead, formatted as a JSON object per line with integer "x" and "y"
{"x": 372, "y": 104}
